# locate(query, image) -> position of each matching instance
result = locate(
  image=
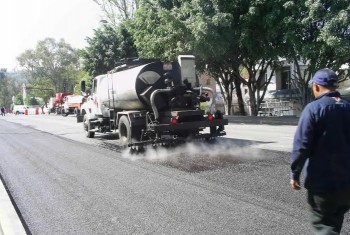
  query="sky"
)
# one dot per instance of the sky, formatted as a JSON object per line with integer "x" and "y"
{"x": 25, "y": 22}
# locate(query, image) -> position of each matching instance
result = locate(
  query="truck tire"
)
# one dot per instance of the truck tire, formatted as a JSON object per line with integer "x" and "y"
{"x": 64, "y": 114}
{"x": 80, "y": 118}
{"x": 87, "y": 127}
{"x": 124, "y": 131}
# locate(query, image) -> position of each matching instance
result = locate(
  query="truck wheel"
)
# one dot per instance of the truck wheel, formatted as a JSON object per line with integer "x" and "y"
{"x": 124, "y": 131}
{"x": 87, "y": 127}
{"x": 80, "y": 118}
{"x": 64, "y": 114}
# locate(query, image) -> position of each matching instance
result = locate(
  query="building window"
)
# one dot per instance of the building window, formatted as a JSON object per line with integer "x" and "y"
{"x": 208, "y": 81}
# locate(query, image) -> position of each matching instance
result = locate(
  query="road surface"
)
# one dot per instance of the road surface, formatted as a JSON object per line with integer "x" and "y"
{"x": 64, "y": 183}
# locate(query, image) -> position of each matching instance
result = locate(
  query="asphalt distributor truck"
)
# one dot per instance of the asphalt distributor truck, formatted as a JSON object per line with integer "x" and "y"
{"x": 150, "y": 102}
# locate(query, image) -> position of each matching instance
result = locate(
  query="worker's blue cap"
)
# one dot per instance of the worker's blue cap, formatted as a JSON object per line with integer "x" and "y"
{"x": 325, "y": 77}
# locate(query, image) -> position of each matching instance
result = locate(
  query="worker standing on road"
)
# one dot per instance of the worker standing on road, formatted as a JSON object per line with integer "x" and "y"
{"x": 42, "y": 109}
{"x": 322, "y": 143}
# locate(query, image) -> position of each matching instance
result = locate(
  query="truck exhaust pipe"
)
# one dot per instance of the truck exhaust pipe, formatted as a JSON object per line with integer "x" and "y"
{"x": 153, "y": 105}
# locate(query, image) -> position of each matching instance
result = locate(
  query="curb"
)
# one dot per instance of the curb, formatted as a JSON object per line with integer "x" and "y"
{"x": 10, "y": 223}
{"x": 280, "y": 120}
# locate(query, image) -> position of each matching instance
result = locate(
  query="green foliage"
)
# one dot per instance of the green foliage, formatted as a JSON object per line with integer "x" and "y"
{"x": 54, "y": 64}
{"x": 159, "y": 30}
{"x": 2, "y": 86}
{"x": 223, "y": 35}
{"x": 41, "y": 88}
{"x": 32, "y": 101}
{"x": 19, "y": 99}
{"x": 228, "y": 36}
{"x": 318, "y": 34}
{"x": 106, "y": 49}
{"x": 83, "y": 76}
{"x": 116, "y": 10}
{"x": 2, "y": 73}
{"x": 9, "y": 87}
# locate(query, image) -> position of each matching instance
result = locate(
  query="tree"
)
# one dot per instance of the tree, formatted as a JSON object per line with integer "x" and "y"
{"x": 32, "y": 101}
{"x": 118, "y": 10}
{"x": 318, "y": 32}
{"x": 3, "y": 87}
{"x": 106, "y": 48}
{"x": 224, "y": 35}
{"x": 51, "y": 65}
{"x": 40, "y": 88}
{"x": 9, "y": 87}
{"x": 83, "y": 76}
{"x": 246, "y": 37}
{"x": 19, "y": 99}
{"x": 165, "y": 29}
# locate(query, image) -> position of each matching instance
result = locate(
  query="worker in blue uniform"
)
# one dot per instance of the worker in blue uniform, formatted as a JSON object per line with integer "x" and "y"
{"x": 322, "y": 148}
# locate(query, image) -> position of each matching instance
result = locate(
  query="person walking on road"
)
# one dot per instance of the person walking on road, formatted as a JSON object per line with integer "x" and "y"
{"x": 322, "y": 144}
{"x": 2, "y": 111}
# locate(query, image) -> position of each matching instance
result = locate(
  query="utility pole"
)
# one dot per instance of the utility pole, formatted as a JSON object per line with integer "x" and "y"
{"x": 24, "y": 90}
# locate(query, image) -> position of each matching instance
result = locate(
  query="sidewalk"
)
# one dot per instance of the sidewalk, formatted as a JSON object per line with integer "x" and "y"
{"x": 273, "y": 120}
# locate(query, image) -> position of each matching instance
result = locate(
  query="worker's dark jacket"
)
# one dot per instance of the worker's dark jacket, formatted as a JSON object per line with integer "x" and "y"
{"x": 323, "y": 137}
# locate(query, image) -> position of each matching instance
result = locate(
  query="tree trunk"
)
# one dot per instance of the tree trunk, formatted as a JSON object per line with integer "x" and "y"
{"x": 253, "y": 104}
{"x": 228, "y": 101}
{"x": 238, "y": 83}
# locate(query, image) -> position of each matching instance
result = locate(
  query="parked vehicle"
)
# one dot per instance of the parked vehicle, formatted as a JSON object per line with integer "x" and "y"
{"x": 19, "y": 109}
{"x": 150, "y": 102}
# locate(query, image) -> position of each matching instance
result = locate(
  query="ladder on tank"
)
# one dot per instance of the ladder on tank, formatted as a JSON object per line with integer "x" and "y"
{"x": 110, "y": 101}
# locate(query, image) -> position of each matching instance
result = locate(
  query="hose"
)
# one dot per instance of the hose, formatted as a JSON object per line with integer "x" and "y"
{"x": 153, "y": 105}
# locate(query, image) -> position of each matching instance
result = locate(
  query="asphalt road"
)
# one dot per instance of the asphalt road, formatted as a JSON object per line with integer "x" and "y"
{"x": 64, "y": 183}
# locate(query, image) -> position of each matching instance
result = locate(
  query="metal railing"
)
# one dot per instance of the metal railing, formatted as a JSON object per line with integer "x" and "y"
{"x": 276, "y": 108}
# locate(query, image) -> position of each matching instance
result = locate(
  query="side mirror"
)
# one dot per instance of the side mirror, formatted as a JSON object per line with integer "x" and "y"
{"x": 83, "y": 87}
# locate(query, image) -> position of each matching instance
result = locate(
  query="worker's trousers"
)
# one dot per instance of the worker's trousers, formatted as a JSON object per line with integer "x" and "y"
{"x": 327, "y": 211}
